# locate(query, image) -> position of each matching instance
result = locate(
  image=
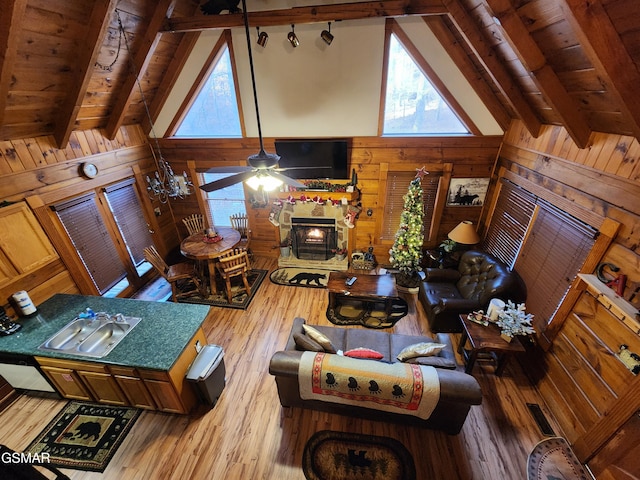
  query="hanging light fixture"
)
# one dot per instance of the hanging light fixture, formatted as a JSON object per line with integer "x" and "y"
{"x": 262, "y": 171}
{"x": 263, "y": 159}
{"x": 326, "y": 35}
{"x": 164, "y": 184}
{"x": 263, "y": 37}
{"x": 293, "y": 38}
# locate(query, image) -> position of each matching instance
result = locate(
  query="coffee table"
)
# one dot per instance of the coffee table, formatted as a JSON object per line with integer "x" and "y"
{"x": 488, "y": 340}
{"x": 367, "y": 288}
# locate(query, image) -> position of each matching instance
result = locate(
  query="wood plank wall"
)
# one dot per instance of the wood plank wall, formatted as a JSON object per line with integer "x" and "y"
{"x": 34, "y": 167}
{"x": 591, "y": 393}
{"x": 471, "y": 157}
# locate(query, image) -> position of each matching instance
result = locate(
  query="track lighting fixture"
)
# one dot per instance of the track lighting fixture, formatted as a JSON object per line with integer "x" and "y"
{"x": 326, "y": 35}
{"x": 263, "y": 37}
{"x": 293, "y": 39}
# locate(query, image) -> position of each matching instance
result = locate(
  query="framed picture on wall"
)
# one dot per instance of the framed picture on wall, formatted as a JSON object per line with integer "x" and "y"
{"x": 468, "y": 192}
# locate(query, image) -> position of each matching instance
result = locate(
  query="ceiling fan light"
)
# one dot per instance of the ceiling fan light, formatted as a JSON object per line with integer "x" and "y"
{"x": 263, "y": 181}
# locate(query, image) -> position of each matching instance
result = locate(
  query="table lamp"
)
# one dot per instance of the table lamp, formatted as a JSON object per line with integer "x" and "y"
{"x": 464, "y": 234}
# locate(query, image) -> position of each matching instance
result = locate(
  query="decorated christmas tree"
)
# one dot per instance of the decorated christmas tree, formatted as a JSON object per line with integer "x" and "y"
{"x": 406, "y": 252}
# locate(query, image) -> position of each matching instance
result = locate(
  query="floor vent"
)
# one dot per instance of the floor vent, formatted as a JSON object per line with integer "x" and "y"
{"x": 540, "y": 419}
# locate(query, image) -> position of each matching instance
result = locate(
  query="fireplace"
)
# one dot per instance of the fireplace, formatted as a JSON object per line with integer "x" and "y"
{"x": 313, "y": 238}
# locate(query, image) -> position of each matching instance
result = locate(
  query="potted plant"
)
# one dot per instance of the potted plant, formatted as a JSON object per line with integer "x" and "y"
{"x": 340, "y": 253}
{"x": 514, "y": 321}
{"x": 285, "y": 246}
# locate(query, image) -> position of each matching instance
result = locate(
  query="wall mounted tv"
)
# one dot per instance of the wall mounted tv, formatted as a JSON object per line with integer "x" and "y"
{"x": 314, "y": 159}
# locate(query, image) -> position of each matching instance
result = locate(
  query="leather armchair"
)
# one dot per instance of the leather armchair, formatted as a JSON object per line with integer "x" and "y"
{"x": 446, "y": 293}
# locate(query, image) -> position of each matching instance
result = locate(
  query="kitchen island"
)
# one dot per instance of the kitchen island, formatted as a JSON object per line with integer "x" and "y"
{"x": 146, "y": 369}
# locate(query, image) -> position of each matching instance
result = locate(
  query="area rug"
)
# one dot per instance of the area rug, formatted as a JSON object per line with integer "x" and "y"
{"x": 553, "y": 459}
{"x": 330, "y": 455}
{"x": 239, "y": 300}
{"x": 300, "y": 277}
{"x": 84, "y": 436}
{"x": 368, "y": 314}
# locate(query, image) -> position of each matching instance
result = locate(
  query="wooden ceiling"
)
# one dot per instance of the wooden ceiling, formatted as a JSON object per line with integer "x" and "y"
{"x": 573, "y": 63}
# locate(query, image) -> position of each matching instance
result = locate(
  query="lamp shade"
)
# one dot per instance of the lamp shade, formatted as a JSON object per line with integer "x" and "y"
{"x": 464, "y": 233}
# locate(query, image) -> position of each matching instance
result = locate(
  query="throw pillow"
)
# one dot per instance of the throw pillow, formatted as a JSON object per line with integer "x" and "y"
{"x": 306, "y": 343}
{"x": 319, "y": 337}
{"x": 363, "y": 353}
{"x": 424, "y": 349}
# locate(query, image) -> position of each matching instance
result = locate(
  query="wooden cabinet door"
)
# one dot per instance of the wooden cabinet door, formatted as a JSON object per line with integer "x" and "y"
{"x": 23, "y": 242}
{"x": 136, "y": 392}
{"x": 104, "y": 388}
{"x": 165, "y": 396}
{"x": 68, "y": 383}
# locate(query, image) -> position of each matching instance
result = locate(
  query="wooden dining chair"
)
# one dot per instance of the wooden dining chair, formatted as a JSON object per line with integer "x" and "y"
{"x": 240, "y": 222}
{"x": 232, "y": 264}
{"x": 179, "y": 276}
{"x": 194, "y": 223}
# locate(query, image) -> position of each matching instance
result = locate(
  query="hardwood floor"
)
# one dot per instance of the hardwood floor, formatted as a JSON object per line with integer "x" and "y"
{"x": 247, "y": 435}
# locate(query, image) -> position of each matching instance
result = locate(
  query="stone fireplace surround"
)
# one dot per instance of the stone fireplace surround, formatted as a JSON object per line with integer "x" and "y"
{"x": 314, "y": 210}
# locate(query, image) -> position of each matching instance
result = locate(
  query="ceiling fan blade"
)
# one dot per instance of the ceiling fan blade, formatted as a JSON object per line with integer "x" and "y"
{"x": 225, "y": 182}
{"x": 287, "y": 180}
{"x": 236, "y": 169}
{"x": 283, "y": 169}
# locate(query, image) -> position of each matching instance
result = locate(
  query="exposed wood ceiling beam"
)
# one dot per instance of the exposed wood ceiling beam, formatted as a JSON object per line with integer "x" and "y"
{"x": 83, "y": 68}
{"x": 602, "y": 43}
{"x": 501, "y": 77}
{"x": 466, "y": 67}
{"x": 544, "y": 76}
{"x": 312, "y": 14}
{"x": 141, "y": 59}
{"x": 10, "y": 22}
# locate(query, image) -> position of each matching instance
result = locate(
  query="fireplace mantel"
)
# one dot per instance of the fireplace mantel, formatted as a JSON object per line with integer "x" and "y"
{"x": 327, "y": 210}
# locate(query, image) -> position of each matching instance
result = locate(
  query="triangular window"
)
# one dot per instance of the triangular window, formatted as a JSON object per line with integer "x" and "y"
{"x": 412, "y": 105}
{"x": 214, "y": 112}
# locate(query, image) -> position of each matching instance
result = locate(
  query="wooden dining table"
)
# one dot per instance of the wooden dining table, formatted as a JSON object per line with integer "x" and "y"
{"x": 196, "y": 248}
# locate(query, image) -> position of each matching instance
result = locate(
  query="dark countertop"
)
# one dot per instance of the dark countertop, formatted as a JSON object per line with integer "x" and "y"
{"x": 155, "y": 343}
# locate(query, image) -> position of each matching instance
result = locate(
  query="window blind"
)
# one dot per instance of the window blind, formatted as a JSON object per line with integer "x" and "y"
{"x": 397, "y": 186}
{"x": 126, "y": 209}
{"x": 86, "y": 229}
{"x": 509, "y": 222}
{"x": 552, "y": 256}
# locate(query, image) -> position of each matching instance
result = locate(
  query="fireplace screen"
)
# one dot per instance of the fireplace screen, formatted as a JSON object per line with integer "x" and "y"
{"x": 313, "y": 238}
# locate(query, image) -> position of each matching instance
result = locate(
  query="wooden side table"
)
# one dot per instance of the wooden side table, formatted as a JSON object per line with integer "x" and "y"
{"x": 488, "y": 340}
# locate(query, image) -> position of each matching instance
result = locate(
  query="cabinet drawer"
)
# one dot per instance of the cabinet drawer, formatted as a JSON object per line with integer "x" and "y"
{"x": 72, "y": 364}
{"x": 155, "y": 375}
{"x": 124, "y": 371}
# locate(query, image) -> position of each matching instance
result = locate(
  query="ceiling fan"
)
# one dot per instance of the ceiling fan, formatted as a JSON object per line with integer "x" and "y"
{"x": 262, "y": 171}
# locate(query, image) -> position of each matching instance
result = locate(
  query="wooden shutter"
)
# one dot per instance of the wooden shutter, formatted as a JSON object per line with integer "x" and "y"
{"x": 551, "y": 257}
{"x": 88, "y": 233}
{"x": 397, "y": 187}
{"x": 509, "y": 222}
{"x": 126, "y": 209}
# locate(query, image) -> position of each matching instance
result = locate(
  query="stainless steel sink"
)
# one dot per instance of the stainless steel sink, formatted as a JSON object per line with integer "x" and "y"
{"x": 91, "y": 337}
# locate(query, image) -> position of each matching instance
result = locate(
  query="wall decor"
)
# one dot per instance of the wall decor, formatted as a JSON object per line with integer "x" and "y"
{"x": 467, "y": 191}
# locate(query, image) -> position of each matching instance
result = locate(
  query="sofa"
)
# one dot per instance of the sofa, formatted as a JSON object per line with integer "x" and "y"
{"x": 457, "y": 390}
{"x": 447, "y": 293}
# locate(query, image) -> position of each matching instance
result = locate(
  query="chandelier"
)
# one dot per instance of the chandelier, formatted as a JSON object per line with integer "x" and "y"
{"x": 164, "y": 184}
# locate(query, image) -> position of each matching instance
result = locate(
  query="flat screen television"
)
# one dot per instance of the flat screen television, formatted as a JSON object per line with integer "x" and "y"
{"x": 314, "y": 159}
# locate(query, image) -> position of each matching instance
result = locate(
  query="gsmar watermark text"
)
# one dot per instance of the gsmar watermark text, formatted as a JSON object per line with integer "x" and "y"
{"x": 21, "y": 457}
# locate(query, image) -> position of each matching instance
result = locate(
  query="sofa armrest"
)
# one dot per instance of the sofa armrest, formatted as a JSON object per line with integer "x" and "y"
{"x": 441, "y": 275}
{"x": 296, "y": 327}
{"x": 285, "y": 364}
{"x": 459, "y": 387}
{"x": 461, "y": 305}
